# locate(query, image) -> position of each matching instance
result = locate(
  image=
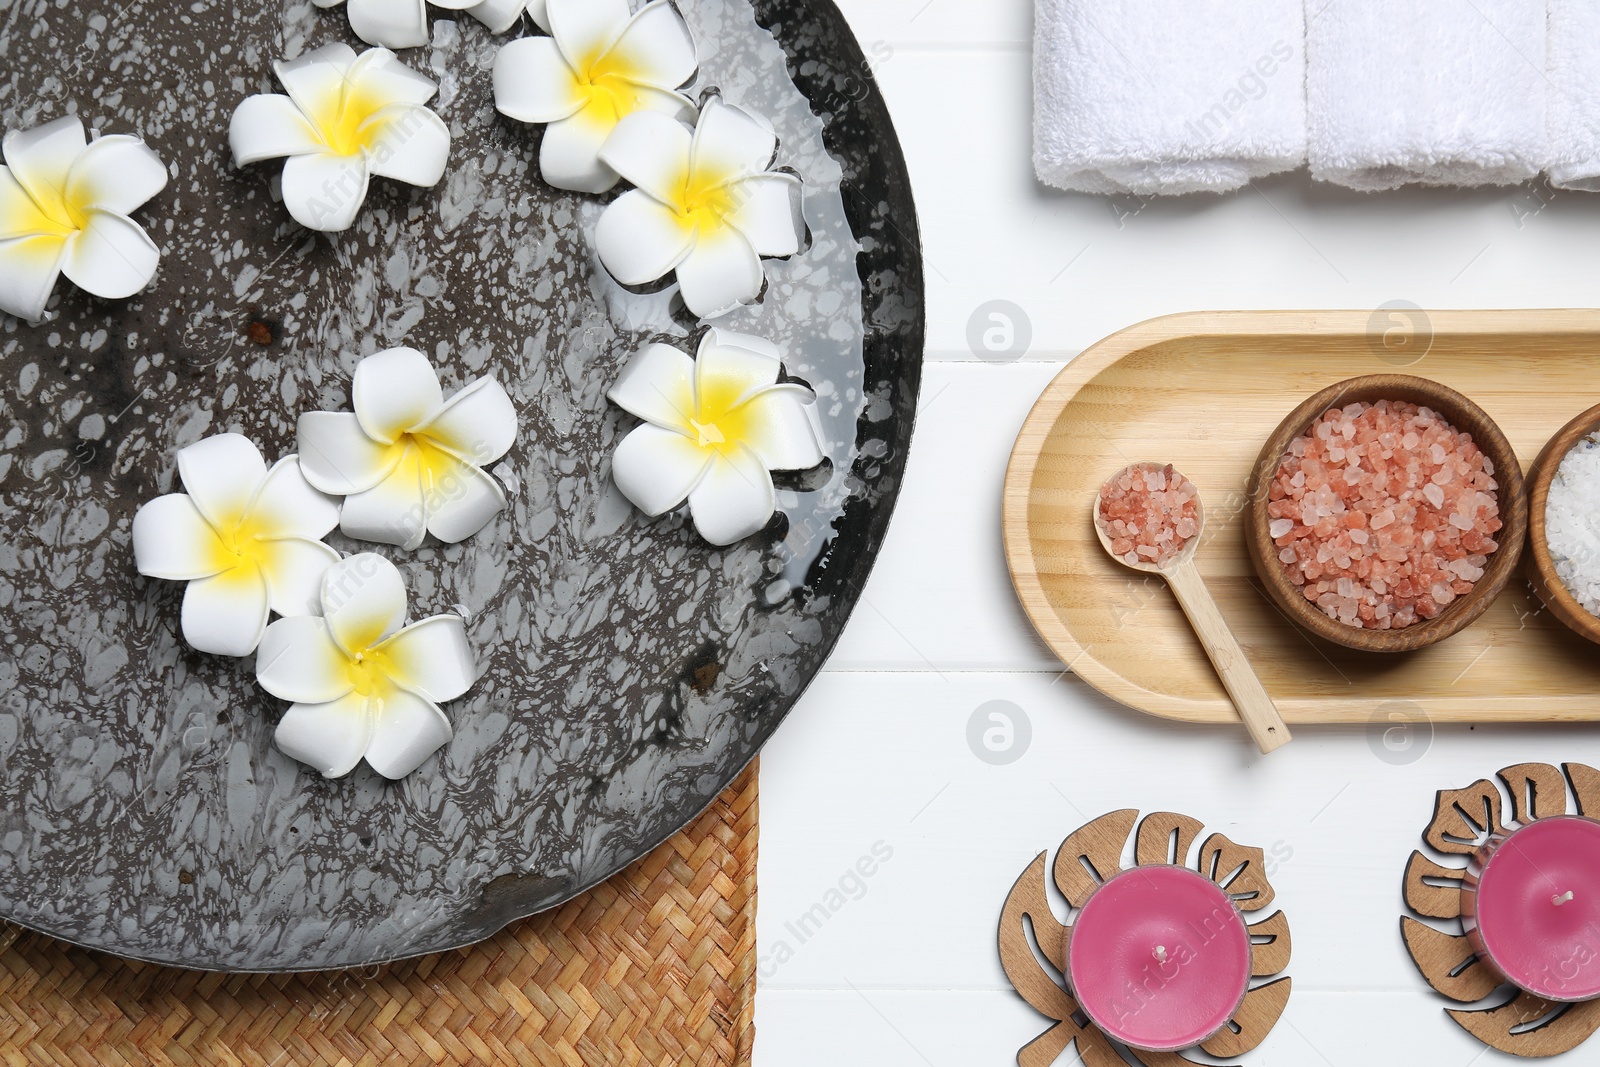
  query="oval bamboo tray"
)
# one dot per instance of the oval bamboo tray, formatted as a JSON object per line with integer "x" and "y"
{"x": 1204, "y": 391}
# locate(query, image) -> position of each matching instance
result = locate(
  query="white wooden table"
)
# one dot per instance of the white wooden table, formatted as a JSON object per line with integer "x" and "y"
{"x": 900, "y": 967}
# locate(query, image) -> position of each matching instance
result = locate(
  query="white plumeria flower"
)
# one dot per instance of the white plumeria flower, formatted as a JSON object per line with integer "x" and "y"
{"x": 64, "y": 206}
{"x": 247, "y": 539}
{"x": 408, "y": 462}
{"x": 346, "y": 118}
{"x": 362, "y": 683}
{"x": 599, "y": 66}
{"x": 706, "y": 206}
{"x": 715, "y": 426}
{"x": 404, "y": 23}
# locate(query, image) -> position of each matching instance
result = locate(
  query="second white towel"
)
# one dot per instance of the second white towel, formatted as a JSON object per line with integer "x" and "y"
{"x": 1574, "y": 87}
{"x": 1448, "y": 92}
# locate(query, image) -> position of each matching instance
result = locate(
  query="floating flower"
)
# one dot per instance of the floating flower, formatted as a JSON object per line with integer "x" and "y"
{"x": 706, "y": 206}
{"x": 64, "y": 206}
{"x": 408, "y": 462}
{"x": 404, "y": 23}
{"x": 598, "y": 66}
{"x": 362, "y": 683}
{"x": 346, "y": 118}
{"x": 715, "y": 426}
{"x": 247, "y": 539}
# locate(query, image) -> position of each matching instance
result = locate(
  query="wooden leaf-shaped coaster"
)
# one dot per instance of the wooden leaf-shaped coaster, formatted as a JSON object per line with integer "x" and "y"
{"x": 1089, "y": 857}
{"x": 1521, "y": 1024}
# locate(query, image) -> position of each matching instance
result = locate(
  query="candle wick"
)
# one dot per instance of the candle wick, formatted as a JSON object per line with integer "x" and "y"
{"x": 1161, "y": 953}
{"x": 1562, "y": 899}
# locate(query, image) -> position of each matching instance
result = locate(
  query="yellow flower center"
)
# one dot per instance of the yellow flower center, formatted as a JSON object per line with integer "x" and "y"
{"x": 339, "y": 121}
{"x": 609, "y": 99}
{"x": 708, "y": 198}
{"x": 436, "y": 464}
{"x": 77, "y": 214}
{"x": 435, "y": 469}
{"x": 609, "y": 85}
{"x": 239, "y": 545}
{"x": 57, "y": 214}
{"x": 77, "y": 211}
{"x": 368, "y": 672}
{"x": 719, "y": 425}
{"x": 708, "y": 435}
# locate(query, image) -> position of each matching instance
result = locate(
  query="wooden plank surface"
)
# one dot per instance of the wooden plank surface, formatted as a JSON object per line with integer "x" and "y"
{"x": 906, "y": 973}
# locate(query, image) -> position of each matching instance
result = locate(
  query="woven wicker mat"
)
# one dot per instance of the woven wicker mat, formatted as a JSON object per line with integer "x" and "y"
{"x": 656, "y": 966}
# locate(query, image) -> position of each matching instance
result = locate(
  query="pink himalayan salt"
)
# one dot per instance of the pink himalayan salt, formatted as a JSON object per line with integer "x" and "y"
{"x": 1391, "y": 513}
{"x": 1149, "y": 512}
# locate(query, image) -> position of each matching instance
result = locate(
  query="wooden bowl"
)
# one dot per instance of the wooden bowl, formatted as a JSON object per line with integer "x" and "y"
{"x": 1465, "y": 416}
{"x": 1541, "y": 568}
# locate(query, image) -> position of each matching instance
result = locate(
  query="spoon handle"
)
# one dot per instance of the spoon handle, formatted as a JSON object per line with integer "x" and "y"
{"x": 1256, "y": 708}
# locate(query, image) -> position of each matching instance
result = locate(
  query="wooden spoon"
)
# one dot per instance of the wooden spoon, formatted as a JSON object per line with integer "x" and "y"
{"x": 1255, "y": 706}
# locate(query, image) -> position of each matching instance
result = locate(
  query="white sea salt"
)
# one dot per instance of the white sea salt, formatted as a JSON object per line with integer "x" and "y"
{"x": 1572, "y": 522}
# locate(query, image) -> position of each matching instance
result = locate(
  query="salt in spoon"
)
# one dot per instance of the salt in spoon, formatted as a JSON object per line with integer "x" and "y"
{"x": 1255, "y": 706}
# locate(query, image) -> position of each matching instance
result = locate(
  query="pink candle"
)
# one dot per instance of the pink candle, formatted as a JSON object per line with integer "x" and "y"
{"x": 1159, "y": 958}
{"x": 1531, "y": 905}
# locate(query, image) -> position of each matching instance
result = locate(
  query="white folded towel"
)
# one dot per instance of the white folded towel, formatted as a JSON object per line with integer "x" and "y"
{"x": 1167, "y": 96}
{"x": 1573, "y": 105}
{"x": 1443, "y": 92}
